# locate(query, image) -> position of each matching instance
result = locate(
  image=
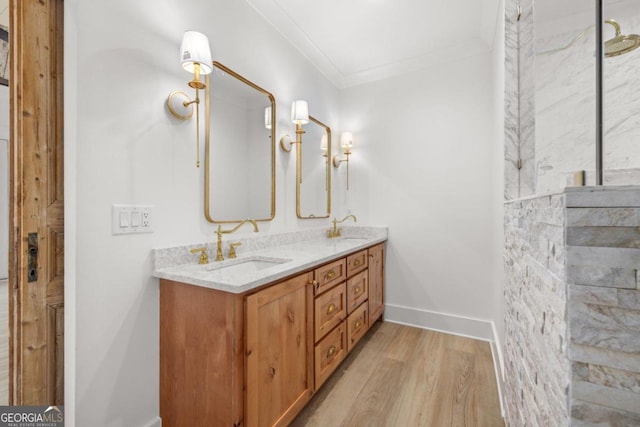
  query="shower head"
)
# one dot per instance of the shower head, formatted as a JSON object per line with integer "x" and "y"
{"x": 621, "y": 43}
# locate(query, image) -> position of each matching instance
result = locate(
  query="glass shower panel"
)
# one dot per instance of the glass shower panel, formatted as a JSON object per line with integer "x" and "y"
{"x": 621, "y": 153}
{"x": 565, "y": 100}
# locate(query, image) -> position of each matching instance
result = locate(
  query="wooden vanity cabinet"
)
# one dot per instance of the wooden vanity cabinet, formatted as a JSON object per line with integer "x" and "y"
{"x": 255, "y": 359}
{"x": 279, "y": 352}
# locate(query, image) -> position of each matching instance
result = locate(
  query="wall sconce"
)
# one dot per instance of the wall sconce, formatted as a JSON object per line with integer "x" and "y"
{"x": 195, "y": 57}
{"x": 299, "y": 116}
{"x": 346, "y": 141}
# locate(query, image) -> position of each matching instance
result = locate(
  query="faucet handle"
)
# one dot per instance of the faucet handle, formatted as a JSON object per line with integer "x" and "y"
{"x": 204, "y": 258}
{"x": 232, "y": 249}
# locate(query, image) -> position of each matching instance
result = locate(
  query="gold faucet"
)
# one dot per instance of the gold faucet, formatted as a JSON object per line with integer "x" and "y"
{"x": 220, "y": 232}
{"x": 335, "y": 231}
{"x": 204, "y": 258}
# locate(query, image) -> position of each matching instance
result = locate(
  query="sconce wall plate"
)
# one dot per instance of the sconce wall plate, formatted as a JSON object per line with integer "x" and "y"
{"x": 180, "y": 105}
{"x": 286, "y": 143}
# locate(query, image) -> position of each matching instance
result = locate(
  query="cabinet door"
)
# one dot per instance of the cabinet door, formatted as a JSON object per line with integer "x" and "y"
{"x": 330, "y": 275}
{"x": 357, "y": 291}
{"x": 376, "y": 282}
{"x": 330, "y": 309}
{"x": 279, "y": 380}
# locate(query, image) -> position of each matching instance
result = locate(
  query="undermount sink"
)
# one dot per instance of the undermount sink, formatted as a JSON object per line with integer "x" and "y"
{"x": 247, "y": 265}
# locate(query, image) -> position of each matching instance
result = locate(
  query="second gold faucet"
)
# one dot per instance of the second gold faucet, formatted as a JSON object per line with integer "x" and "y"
{"x": 220, "y": 232}
{"x": 335, "y": 231}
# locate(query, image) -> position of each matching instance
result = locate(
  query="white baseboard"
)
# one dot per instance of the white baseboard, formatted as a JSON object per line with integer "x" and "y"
{"x": 455, "y": 325}
{"x": 157, "y": 422}
{"x": 441, "y": 322}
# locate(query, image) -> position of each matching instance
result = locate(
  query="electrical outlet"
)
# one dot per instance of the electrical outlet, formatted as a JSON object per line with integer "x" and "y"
{"x": 146, "y": 217}
{"x": 131, "y": 219}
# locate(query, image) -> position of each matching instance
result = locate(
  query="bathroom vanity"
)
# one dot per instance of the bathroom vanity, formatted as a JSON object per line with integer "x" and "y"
{"x": 253, "y": 352}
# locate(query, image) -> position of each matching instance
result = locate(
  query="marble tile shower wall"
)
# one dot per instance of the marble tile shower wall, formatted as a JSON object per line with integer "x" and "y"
{"x": 565, "y": 106}
{"x": 572, "y": 341}
{"x": 537, "y": 368}
{"x": 603, "y": 264}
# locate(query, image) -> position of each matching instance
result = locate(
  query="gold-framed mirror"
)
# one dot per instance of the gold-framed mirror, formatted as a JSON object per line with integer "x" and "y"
{"x": 313, "y": 174}
{"x": 240, "y": 153}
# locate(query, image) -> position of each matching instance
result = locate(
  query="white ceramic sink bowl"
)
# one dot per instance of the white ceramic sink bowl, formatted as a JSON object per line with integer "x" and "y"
{"x": 247, "y": 265}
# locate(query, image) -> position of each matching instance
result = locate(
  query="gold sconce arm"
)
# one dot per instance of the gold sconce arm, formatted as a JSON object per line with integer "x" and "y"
{"x": 346, "y": 141}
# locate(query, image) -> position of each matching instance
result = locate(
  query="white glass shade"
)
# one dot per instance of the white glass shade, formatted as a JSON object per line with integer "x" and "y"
{"x": 267, "y": 117}
{"x": 300, "y": 112}
{"x": 323, "y": 143}
{"x": 346, "y": 140}
{"x": 195, "y": 50}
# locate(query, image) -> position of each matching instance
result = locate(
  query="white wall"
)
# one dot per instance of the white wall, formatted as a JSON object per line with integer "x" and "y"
{"x": 4, "y": 182}
{"x": 122, "y": 146}
{"x": 423, "y": 164}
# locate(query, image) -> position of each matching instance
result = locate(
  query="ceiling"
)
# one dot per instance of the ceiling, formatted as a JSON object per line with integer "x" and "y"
{"x": 357, "y": 41}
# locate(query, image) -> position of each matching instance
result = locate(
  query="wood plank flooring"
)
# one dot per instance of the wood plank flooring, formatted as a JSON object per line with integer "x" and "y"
{"x": 404, "y": 376}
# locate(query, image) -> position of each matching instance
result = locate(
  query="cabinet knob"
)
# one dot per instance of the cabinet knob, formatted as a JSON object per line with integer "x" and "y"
{"x": 331, "y": 351}
{"x": 356, "y": 262}
{"x": 357, "y": 290}
{"x": 331, "y": 309}
{"x": 313, "y": 283}
{"x": 357, "y": 325}
{"x": 330, "y": 275}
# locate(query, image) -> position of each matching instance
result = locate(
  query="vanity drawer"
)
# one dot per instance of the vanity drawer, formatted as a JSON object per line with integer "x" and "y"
{"x": 329, "y": 275}
{"x": 329, "y": 353}
{"x": 356, "y": 262}
{"x": 330, "y": 308}
{"x": 357, "y": 325}
{"x": 357, "y": 291}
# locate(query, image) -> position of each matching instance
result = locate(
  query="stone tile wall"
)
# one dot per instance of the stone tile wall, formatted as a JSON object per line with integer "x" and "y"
{"x": 572, "y": 342}
{"x": 537, "y": 370}
{"x": 603, "y": 264}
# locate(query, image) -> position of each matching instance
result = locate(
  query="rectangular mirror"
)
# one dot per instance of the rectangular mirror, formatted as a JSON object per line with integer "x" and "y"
{"x": 240, "y": 128}
{"x": 313, "y": 185}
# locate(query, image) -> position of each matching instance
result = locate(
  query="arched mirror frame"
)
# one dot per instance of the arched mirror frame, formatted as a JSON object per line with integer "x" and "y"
{"x": 207, "y": 157}
{"x": 299, "y": 174}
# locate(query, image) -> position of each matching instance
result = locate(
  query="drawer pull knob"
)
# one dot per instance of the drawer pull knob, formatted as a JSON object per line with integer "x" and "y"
{"x": 315, "y": 283}
{"x": 331, "y": 309}
{"x": 331, "y": 352}
{"x": 357, "y": 325}
{"x": 330, "y": 275}
{"x": 357, "y": 290}
{"x": 357, "y": 262}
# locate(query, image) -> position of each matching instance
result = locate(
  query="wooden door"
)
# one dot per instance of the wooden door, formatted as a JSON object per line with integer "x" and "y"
{"x": 36, "y": 255}
{"x": 376, "y": 282}
{"x": 279, "y": 380}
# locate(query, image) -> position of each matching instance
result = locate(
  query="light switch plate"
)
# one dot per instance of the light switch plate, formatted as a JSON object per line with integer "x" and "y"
{"x": 131, "y": 219}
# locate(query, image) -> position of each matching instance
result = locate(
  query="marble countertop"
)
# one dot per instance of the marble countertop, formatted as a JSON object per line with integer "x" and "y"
{"x": 276, "y": 262}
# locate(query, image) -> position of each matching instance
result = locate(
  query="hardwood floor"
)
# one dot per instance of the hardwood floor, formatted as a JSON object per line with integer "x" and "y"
{"x": 404, "y": 376}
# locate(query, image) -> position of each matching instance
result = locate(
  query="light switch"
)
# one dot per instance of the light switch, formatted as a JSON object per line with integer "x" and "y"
{"x": 131, "y": 219}
{"x": 124, "y": 219}
{"x": 136, "y": 219}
